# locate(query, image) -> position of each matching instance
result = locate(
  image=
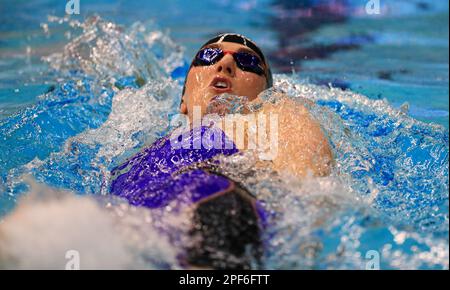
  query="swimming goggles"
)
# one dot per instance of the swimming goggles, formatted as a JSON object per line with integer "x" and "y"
{"x": 244, "y": 60}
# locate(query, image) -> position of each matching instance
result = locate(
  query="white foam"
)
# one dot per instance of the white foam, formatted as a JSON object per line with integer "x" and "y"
{"x": 47, "y": 223}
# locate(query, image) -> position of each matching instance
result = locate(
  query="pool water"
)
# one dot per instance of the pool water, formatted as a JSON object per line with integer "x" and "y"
{"x": 77, "y": 96}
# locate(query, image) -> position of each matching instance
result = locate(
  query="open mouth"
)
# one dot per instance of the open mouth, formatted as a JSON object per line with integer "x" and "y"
{"x": 221, "y": 84}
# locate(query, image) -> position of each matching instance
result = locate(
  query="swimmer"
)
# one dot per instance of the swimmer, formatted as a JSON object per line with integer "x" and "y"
{"x": 233, "y": 64}
{"x": 228, "y": 220}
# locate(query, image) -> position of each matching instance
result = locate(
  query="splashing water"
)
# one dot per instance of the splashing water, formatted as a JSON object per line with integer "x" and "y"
{"x": 112, "y": 233}
{"x": 118, "y": 89}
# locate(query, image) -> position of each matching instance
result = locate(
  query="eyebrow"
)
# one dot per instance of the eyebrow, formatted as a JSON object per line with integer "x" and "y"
{"x": 213, "y": 45}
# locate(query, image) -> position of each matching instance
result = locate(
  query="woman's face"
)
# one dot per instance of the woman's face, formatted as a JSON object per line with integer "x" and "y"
{"x": 205, "y": 82}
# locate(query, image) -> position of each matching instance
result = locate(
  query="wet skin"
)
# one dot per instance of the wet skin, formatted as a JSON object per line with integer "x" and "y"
{"x": 302, "y": 146}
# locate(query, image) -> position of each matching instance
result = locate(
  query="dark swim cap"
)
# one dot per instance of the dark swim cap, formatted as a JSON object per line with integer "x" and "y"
{"x": 240, "y": 39}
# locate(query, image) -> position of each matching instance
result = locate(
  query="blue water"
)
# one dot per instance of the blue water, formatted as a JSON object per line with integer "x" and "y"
{"x": 73, "y": 104}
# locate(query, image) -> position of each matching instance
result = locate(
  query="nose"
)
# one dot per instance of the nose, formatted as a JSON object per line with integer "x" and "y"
{"x": 227, "y": 65}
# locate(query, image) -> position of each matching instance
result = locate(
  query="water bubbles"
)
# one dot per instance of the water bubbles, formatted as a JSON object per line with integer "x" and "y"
{"x": 226, "y": 104}
{"x": 388, "y": 190}
{"x": 389, "y": 169}
{"x": 44, "y": 27}
{"x": 105, "y": 50}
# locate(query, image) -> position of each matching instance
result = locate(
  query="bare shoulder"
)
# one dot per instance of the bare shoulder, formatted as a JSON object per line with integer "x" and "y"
{"x": 303, "y": 144}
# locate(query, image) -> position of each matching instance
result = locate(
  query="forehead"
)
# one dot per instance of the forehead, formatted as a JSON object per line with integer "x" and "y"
{"x": 232, "y": 47}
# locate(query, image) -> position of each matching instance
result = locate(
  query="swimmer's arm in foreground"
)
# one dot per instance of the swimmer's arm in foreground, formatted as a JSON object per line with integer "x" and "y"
{"x": 303, "y": 147}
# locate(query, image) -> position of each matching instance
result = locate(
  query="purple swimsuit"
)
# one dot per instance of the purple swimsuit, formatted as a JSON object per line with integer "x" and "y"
{"x": 230, "y": 218}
